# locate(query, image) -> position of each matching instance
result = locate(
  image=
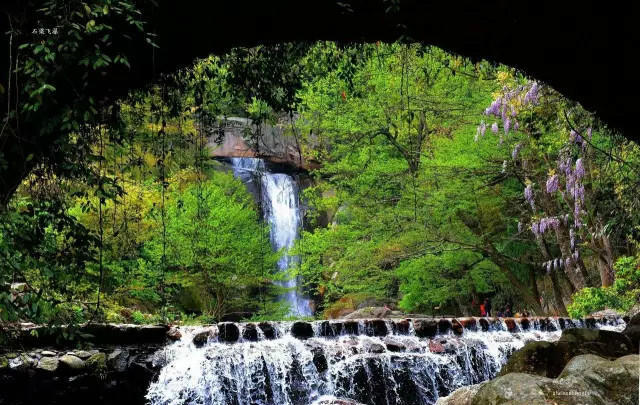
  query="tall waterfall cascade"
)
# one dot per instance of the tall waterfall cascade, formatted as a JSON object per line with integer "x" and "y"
{"x": 279, "y": 196}
{"x": 375, "y": 362}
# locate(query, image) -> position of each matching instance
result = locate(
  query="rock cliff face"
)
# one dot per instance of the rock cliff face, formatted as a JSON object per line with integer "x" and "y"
{"x": 233, "y": 139}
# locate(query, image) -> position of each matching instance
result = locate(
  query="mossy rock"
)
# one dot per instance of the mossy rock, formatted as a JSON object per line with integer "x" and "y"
{"x": 538, "y": 358}
{"x": 4, "y": 362}
{"x": 97, "y": 364}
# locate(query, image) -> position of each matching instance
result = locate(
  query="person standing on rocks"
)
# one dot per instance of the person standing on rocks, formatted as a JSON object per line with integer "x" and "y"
{"x": 487, "y": 306}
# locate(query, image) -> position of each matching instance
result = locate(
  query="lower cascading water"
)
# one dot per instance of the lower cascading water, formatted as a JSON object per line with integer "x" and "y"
{"x": 392, "y": 366}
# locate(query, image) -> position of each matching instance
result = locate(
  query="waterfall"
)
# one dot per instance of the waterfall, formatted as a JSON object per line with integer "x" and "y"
{"x": 279, "y": 195}
{"x": 376, "y": 362}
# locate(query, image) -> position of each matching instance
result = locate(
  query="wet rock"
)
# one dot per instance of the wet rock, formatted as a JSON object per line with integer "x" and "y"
{"x": 228, "y": 332}
{"x": 268, "y": 330}
{"x": 539, "y": 358}
{"x": 97, "y": 363}
{"x": 525, "y": 323}
{"x": 330, "y": 329}
{"x": 590, "y": 322}
{"x": 351, "y": 327}
{"x": 375, "y": 348}
{"x": 71, "y": 363}
{"x": 394, "y": 345}
{"x": 84, "y": 354}
{"x": 201, "y": 338}
{"x": 425, "y": 327}
{"x": 632, "y": 330}
{"x": 436, "y": 347}
{"x": 511, "y": 324}
{"x": 375, "y": 327}
{"x": 48, "y": 353}
{"x": 469, "y": 323}
{"x": 174, "y": 334}
{"x": 250, "y": 332}
{"x": 117, "y": 360}
{"x": 48, "y": 364}
{"x": 457, "y": 327}
{"x": 444, "y": 325}
{"x": 302, "y": 330}
{"x": 401, "y": 327}
{"x": 484, "y": 324}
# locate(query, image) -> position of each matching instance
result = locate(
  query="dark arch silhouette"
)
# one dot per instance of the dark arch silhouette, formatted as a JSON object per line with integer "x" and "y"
{"x": 582, "y": 48}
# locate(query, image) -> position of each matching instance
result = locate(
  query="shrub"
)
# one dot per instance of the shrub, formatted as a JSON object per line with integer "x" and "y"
{"x": 624, "y": 293}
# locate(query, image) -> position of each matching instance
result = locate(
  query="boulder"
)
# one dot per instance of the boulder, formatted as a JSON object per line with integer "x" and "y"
{"x": 484, "y": 324}
{"x": 228, "y": 332}
{"x": 250, "y": 332}
{"x": 302, "y": 330}
{"x": 539, "y": 358}
{"x": 461, "y": 396}
{"x": 375, "y": 348}
{"x": 48, "y": 364}
{"x": 117, "y": 360}
{"x": 71, "y": 362}
{"x": 97, "y": 363}
{"x": 375, "y": 327}
{"x": 425, "y": 327}
{"x": 511, "y": 324}
{"x": 600, "y": 342}
{"x": 548, "y": 359}
{"x": 268, "y": 330}
{"x": 394, "y": 345}
{"x": 351, "y": 327}
{"x": 369, "y": 312}
{"x": 457, "y": 327}
{"x": 330, "y": 329}
{"x": 444, "y": 325}
{"x": 201, "y": 338}
{"x": 587, "y": 379}
{"x": 401, "y": 326}
{"x": 469, "y": 323}
{"x": 632, "y": 330}
{"x": 174, "y": 334}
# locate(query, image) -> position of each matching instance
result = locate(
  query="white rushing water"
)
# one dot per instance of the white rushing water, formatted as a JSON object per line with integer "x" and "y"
{"x": 391, "y": 366}
{"x": 281, "y": 209}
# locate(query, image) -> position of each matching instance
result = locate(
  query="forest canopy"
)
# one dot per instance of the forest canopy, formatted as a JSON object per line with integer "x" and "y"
{"x": 439, "y": 182}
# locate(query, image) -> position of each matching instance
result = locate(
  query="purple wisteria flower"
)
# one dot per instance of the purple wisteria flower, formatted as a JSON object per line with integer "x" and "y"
{"x": 528, "y": 195}
{"x": 507, "y": 125}
{"x": 519, "y": 227}
{"x": 572, "y": 238}
{"x": 516, "y": 150}
{"x": 579, "y": 168}
{"x": 532, "y": 95}
{"x": 516, "y": 125}
{"x": 535, "y": 228}
{"x": 494, "y": 128}
{"x": 552, "y": 184}
{"x": 589, "y": 133}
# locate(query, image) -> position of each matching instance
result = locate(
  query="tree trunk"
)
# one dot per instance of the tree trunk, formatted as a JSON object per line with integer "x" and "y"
{"x": 557, "y": 294}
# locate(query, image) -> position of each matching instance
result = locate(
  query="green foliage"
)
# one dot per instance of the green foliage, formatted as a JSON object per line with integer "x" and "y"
{"x": 624, "y": 293}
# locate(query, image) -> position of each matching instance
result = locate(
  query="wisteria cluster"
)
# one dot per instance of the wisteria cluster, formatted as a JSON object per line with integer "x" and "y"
{"x": 548, "y": 223}
{"x": 528, "y": 195}
{"x": 503, "y": 107}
